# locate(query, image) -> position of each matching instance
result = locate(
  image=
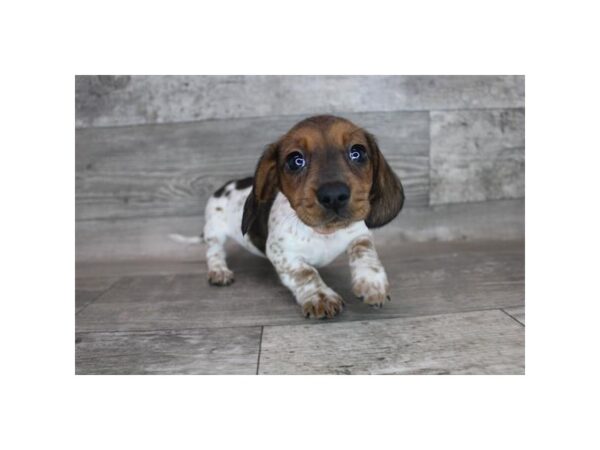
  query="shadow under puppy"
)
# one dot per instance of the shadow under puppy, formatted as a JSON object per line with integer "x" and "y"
{"x": 315, "y": 194}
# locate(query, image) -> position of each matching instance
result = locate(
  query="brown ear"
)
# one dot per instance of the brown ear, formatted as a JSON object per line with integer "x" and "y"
{"x": 264, "y": 188}
{"x": 387, "y": 194}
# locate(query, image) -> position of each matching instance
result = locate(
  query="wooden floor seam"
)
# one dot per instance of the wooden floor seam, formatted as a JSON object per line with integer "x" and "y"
{"x": 511, "y": 316}
{"x": 262, "y": 329}
{"x": 309, "y": 322}
{"x": 457, "y": 307}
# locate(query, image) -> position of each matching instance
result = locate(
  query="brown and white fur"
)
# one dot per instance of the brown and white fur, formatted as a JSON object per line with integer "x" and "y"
{"x": 303, "y": 213}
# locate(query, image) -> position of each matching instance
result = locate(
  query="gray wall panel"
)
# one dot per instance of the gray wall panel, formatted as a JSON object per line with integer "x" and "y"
{"x": 477, "y": 155}
{"x": 128, "y": 100}
{"x": 164, "y": 170}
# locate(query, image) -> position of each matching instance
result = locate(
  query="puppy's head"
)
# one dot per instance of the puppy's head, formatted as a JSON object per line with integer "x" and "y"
{"x": 333, "y": 174}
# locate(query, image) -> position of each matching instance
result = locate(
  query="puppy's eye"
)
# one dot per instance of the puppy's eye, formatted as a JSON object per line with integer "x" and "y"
{"x": 295, "y": 161}
{"x": 357, "y": 153}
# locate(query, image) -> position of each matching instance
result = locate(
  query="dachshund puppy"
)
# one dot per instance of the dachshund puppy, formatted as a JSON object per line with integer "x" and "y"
{"x": 316, "y": 193}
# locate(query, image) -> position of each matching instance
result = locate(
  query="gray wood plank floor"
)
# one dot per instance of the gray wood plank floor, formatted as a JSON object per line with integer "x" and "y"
{"x": 517, "y": 313}
{"x": 428, "y": 278}
{"x": 84, "y": 298}
{"x": 201, "y": 351}
{"x": 480, "y": 342}
{"x": 158, "y": 315}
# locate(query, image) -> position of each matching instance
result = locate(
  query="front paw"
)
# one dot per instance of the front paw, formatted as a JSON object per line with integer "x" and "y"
{"x": 322, "y": 304}
{"x": 220, "y": 277}
{"x": 374, "y": 290}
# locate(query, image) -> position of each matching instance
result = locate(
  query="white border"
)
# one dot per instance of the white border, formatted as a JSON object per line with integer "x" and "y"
{"x": 46, "y": 43}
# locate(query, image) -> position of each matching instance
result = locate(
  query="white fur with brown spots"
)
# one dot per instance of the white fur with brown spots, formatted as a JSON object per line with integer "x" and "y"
{"x": 295, "y": 250}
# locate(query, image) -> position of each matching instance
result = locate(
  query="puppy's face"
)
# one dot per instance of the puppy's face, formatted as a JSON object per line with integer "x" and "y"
{"x": 332, "y": 173}
{"x": 325, "y": 170}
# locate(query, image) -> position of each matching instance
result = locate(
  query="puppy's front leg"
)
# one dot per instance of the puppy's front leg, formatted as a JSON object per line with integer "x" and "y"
{"x": 369, "y": 280}
{"x": 316, "y": 298}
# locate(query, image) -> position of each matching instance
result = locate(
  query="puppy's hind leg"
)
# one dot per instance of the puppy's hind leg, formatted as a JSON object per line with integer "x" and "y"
{"x": 215, "y": 235}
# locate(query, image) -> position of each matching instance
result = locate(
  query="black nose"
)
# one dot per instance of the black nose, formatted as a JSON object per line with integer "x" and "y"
{"x": 333, "y": 195}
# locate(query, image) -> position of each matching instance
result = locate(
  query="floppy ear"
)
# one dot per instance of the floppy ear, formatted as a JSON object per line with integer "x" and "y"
{"x": 264, "y": 188}
{"x": 387, "y": 194}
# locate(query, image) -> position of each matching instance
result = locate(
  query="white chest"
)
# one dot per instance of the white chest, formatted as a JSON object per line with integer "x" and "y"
{"x": 291, "y": 238}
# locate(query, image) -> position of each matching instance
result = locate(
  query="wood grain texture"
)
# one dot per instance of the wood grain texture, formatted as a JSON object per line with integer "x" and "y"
{"x": 147, "y": 239}
{"x": 139, "y": 239}
{"x": 138, "y": 267}
{"x": 128, "y": 100}
{"x": 218, "y": 351}
{"x": 482, "y": 342}
{"x": 88, "y": 289}
{"x": 477, "y": 155}
{"x": 517, "y": 312}
{"x": 94, "y": 281}
{"x": 84, "y": 298}
{"x": 491, "y": 220}
{"x": 169, "y": 170}
{"x": 425, "y": 278}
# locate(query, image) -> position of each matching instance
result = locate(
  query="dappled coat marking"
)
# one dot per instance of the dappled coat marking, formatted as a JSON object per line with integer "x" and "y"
{"x": 316, "y": 193}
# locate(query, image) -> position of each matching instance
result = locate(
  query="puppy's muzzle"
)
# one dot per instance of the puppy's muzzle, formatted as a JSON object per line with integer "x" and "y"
{"x": 333, "y": 196}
